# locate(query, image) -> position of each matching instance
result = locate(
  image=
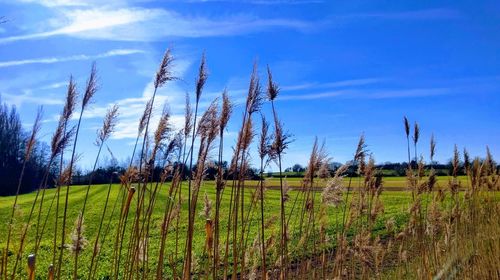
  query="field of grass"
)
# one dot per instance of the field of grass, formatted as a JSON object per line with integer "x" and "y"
{"x": 396, "y": 205}
{"x": 390, "y": 183}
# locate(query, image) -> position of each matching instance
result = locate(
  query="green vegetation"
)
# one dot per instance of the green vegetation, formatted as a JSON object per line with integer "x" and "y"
{"x": 390, "y": 183}
{"x": 397, "y": 204}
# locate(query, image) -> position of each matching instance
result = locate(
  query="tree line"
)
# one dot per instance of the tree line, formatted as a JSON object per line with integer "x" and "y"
{"x": 13, "y": 141}
{"x": 13, "y": 145}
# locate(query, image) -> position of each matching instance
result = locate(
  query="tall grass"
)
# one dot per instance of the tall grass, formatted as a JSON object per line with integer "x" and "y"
{"x": 339, "y": 231}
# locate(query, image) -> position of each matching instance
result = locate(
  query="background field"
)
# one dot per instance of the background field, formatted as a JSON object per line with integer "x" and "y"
{"x": 396, "y": 205}
{"x": 390, "y": 183}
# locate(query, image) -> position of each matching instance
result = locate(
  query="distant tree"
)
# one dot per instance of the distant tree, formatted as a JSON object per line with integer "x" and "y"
{"x": 12, "y": 149}
{"x": 297, "y": 168}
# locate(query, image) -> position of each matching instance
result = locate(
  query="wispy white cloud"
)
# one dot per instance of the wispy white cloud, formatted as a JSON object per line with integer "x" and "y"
{"x": 50, "y": 60}
{"x": 149, "y": 24}
{"x": 54, "y": 85}
{"x": 79, "y": 3}
{"x": 425, "y": 14}
{"x": 345, "y": 83}
{"x": 121, "y": 21}
{"x": 371, "y": 93}
{"x": 263, "y": 2}
{"x": 28, "y": 97}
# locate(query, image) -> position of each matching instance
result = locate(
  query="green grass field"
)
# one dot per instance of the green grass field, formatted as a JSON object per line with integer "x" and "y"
{"x": 395, "y": 202}
{"x": 390, "y": 183}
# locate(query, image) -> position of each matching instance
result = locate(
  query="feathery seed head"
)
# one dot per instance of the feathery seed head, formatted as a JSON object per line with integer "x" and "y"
{"x": 407, "y": 126}
{"x": 332, "y": 193}
{"x": 456, "y": 161}
{"x": 466, "y": 161}
{"x": 145, "y": 116}
{"x": 431, "y": 182}
{"x": 65, "y": 178}
{"x": 416, "y": 133}
{"x": 316, "y": 159}
{"x": 281, "y": 140}
{"x": 34, "y": 132}
{"x": 286, "y": 190}
{"x": 247, "y": 135}
{"x": 490, "y": 164}
{"x": 61, "y": 139}
{"x": 70, "y": 103}
{"x": 272, "y": 87}
{"x": 163, "y": 128}
{"x": 188, "y": 117}
{"x": 164, "y": 73}
{"x": 341, "y": 170}
{"x": 265, "y": 139}
{"x": 91, "y": 87}
{"x": 207, "y": 208}
{"x": 324, "y": 170}
{"x": 202, "y": 77}
{"x": 360, "y": 149}
{"x": 433, "y": 147}
{"x": 209, "y": 122}
{"x": 108, "y": 125}
{"x": 227, "y": 108}
{"x": 254, "y": 97}
{"x": 79, "y": 242}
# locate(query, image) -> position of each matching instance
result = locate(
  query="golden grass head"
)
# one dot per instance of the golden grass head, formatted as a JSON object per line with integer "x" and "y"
{"x": 227, "y": 108}
{"x": 79, "y": 242}
{"x": 164, "y": 128}
{"x": 407, "y": 126}
{"x": 281, "y": 140}
{"x": 34, "y": 132}
{"x": 91, "y": 86}
{"x": 145, "y": 115}
{"x": 209, "y": 123}
{"x": 467, "y": 161}
{"x": 416, "y": 133}
{"x": 433, "y": 147}
{"x": 360, "y": 153}
{"x": 316, "y": 159}
{"x": 70, "y": 102}
{"x": 188, "y": 117}
{"x": 324, "y": 170}
{"x": 332, "y": 193}
{"x": 455, "y": 161}
{"x": 490, "y": 164}
{"x": 265, "y": 139}
{"x": 164, "y": 73}
{"x": 202, "y": 77}
{"x": 272, "y": 87}
{"x": 286, "y": 190}
{"x": 207, "y": 208}
{"x": 61, "y": 138}
{"x": 65, "y": 178}
{"x": 108, "y": 125}
{"x": 254, "y": 97}
{"x": 246, "y": 135}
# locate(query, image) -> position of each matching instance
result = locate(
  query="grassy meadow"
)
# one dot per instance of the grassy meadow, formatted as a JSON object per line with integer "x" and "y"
{"x": 397, "y": 202}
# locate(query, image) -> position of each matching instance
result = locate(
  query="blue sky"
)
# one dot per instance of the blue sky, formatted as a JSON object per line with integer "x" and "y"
{"x": 345, "y": 67}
